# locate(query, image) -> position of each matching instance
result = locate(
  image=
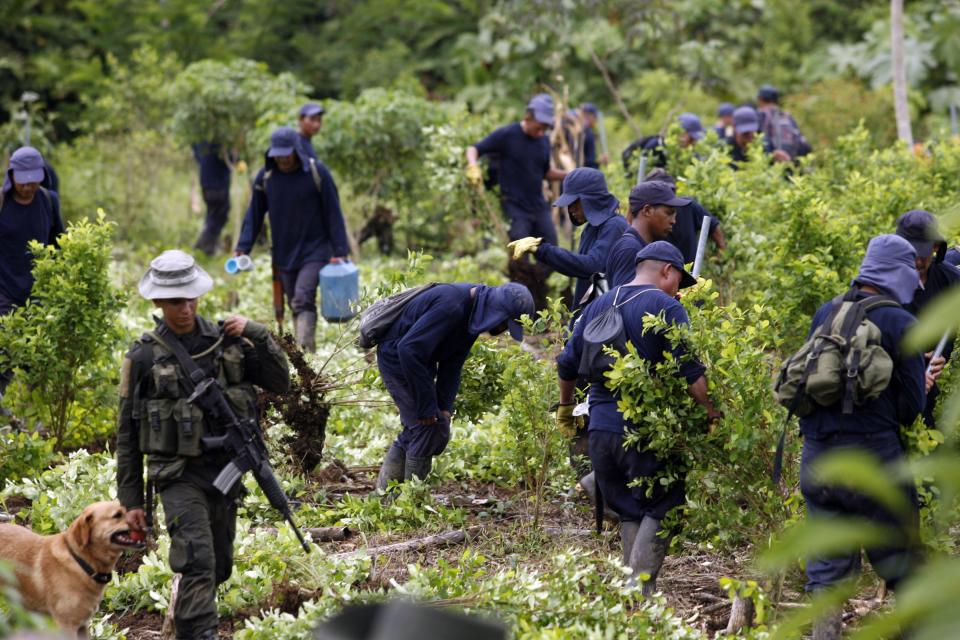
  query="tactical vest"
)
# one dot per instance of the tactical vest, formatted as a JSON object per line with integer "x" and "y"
{"x": 169, "y": 425}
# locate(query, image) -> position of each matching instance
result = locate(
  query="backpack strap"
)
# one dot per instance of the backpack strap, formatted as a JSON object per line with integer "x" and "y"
{"x": 263, "y": 183}
{"x": 49, "y": 198}
{"x": 315, "y": 174}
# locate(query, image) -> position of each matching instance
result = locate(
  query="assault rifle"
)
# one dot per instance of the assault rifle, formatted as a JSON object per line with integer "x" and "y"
{"x": 243, "y": 440}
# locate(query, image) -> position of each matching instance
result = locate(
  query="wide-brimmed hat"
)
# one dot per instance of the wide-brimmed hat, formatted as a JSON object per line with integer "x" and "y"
{"x": 174, "y": 274}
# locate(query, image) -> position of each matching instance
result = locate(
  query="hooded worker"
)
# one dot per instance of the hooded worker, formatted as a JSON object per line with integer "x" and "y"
{"x": 588, "y": 203}
{"x": 421, "y": 358}
{"x": 300, "y": 196}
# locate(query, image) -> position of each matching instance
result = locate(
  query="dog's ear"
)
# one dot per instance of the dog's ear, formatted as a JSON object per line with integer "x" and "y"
{"x": 83, "y": 529}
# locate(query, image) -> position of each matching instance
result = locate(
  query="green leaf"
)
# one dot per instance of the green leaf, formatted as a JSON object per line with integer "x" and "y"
{"x": 823, "y": 536}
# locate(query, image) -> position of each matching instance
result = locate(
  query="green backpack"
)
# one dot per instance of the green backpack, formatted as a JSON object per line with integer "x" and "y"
{"x": 842, "y": 362}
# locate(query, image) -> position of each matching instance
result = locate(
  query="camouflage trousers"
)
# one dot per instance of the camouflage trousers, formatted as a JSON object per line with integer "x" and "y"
{"x": 202, "y": 524}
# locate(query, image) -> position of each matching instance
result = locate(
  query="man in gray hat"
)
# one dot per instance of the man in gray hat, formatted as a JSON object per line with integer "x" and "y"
{"x": 28, "y": 211}
{"x": 156, "y": 421}
{"x": 308, "y": 228}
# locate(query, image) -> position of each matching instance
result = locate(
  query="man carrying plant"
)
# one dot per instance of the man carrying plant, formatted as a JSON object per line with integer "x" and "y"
{"x": 309, "y": 231}
{"x": 652, "y": 216}
{"x": 421, "y": 358}
{"x": 861, "y": 409}
{"x": 524, "y": 153}
{"x": 309, "y": 123}
{"x": 28, "y": 212}
{"x": 659, "y": 275}
{"x": 156, "y": 421}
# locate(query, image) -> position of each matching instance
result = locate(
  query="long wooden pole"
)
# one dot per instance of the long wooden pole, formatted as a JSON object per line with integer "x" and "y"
{"x": 899, "y": 73}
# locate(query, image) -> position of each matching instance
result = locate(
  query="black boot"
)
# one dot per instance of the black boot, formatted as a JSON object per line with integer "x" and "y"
{"x": 392, "y": 467}
{"x": 647, "y": 554}
{"x": 419, "y": 467}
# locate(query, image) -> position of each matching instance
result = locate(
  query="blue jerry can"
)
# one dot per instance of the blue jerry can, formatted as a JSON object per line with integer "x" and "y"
{"x": 339, "y": 291}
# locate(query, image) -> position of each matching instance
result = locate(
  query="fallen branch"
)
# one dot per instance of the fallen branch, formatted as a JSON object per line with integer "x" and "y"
{"x": 447, "y": 539}
{"x": 319, "y": 534}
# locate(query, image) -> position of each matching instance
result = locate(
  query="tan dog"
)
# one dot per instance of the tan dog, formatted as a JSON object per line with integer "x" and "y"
{"x": 64, "y": 575}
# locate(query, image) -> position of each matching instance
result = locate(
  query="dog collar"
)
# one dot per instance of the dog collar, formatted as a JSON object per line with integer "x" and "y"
{"x": 99, "y": 578}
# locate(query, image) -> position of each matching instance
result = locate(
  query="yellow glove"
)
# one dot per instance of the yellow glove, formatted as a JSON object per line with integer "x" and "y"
{"x": 524, "y": 245}
{"x": 566, "y": 423}
{"x": 241, "y": 167}
{"x": 475, "y": 176}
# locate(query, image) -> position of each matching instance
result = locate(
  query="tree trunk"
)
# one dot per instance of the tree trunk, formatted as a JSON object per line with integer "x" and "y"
{"x": 741, "y": 615}
{"x": 899, "y": 73}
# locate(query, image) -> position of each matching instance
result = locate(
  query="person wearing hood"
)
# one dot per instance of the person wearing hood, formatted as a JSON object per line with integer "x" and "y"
{"x": 523, "y": 149}
{"x": 920, "y": 229}
{"x": 686, "y": 232}
{"x": 652, "y": 216}
{"x": 888, "y": 269}
{"x": 308, "y": 228}
{"x": 28, "y": 211}
{"x": 309, "y": 123}
{"x": 658, "y": 275}
{"x": 588, "y": 202}
{"x": 421, "y": 358}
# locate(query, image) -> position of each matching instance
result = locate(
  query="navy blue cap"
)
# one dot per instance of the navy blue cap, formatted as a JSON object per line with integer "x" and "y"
{"x": 745, "y": 120}
{"x": 589, "y": 107}
{"x": 654, "y": 192}
{"x": 665, "y": 252}
{"x": 541, "y": 105}
{"x": 768, "y": 93}
{"x": 27, "y": 165}
{"x": 311, "y": 109}
{"x": 692, "y": 125}
{"x": 920, "y": 228}
{"x": 283, "y": 142}
{"x": 519, "y": 301}
{"x": 725, "y": 109}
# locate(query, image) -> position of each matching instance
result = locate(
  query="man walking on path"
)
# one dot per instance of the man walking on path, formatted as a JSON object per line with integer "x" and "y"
{"x": 215, "y": 185}
{"x": 308, "y": 228}
{"x": 783, "y": 139}
{"x": 659, "y": 275}
{"x": 28, "y": 212}
{"x": 309, "y": 123}
{"x": 589, "y": 117}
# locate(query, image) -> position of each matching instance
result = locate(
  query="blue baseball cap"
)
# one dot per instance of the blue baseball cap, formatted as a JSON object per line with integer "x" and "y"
{"x": 541, "y": 105}
{"x": 768, "y": 93}
{"x": 311, "y": 109}
{"x": 654, "y": 192}
{"x": 665, "y": 252}
{"x": 589, "y": 107}
{"x": 27, "y": 165}
{"x": 725, "y": 109}
{"x": 283, "y": 142}
{"x": 692, "y": 125}
{"x": 745, "y": 120}
{"x": 920, "y": 228}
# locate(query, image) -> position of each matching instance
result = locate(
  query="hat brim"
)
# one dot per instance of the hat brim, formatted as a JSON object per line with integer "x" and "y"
{"x": 27, "y": 176}
{"x": 566, "y": 199}
{"x": 924, "y": 247}
{"x": 697, "y": 135}
{"x": 677, "y": 201}
{"x": 515, "y": 329}
{"x": 749, "y": 127}
{"x": 686, "y": 279}
{"x": 543, "y": 116}
{"x": 150, "y": 290}
{"x": 313, "y": 111}
{"x": 279, "y": 152}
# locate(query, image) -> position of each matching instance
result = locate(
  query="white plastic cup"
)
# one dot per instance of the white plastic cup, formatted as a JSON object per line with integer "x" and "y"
{"x": 238, "y": 263}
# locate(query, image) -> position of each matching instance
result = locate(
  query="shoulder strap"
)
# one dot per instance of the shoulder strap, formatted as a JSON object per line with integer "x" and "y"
{"x": 263, "y": 183}
{"x": 169, "y": 339}
{"x": 632, "y": 298}
{"x": 46, "y": 194}
{"x": 315, "y": 174}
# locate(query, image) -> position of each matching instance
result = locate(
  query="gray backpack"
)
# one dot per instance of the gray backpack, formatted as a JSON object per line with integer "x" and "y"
{"x": 606, "y": 330}
{"x": 376, "y": 320}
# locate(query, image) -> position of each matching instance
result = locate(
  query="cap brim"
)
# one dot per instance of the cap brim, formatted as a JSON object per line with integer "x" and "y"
{"x": 924, "y": 247}
{"x": 543, "y": 117}
{"x": 309, "y": 113}
{"x": 276, "y": 152}
{"x": 686, "y": 279}
{"x": 751, "y": 127}
{"x": 515, "y": 329}
{"x": 26, "y": 176}
{"x": 677, "y": 202}
{"x": 198, "y": 287}
{"x": 566, "y": 199}
{"x": 698, "y": 135}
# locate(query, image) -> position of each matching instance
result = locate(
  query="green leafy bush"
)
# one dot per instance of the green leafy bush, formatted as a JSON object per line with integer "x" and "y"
{"x": 61, "y": 343}
{"x": 24, "y": 454}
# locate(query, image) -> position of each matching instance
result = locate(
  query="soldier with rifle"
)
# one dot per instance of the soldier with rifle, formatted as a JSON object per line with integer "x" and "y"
{"x": 188, "y": 403}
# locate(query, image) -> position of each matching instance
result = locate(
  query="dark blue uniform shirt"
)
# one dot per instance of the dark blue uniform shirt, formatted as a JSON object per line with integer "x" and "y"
{"x": 591, "y": 257}
{"x": 622, "y": 260}
{"x": 899, "y": 404}
{"x": 19, "y": 224}
{"x": 214, "y": 172}
{"x": 524, "y": 162}
{"x": 306, "y": 146}
{"x": 686, "y": 232}
{"x": 590, "y": 148}
{"x": 940, "y": 277}
{"x": 307, "y": 224}
{"x": 428, "y": 344}
{"x": 604, "y": 415}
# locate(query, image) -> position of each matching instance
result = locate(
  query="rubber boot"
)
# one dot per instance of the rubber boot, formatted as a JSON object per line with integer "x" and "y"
{"x": 829, "y": 627}
{"x": 647, "y": 555}
{"x": 306, "y": 326}
{"x": 419, "y": 467}
{"x": 392, "y": 467}
{"x": 589, "y": 485}
{"x": 628, "y": 536}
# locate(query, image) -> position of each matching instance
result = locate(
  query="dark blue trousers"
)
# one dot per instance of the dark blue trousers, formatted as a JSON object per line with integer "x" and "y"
{"x": 301, "y": 285}
{"x": 525, "y": 223}
{"x": 418, "y": 440}
{"x": 892, "y": 562}
{"x": 615, "y": 467}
